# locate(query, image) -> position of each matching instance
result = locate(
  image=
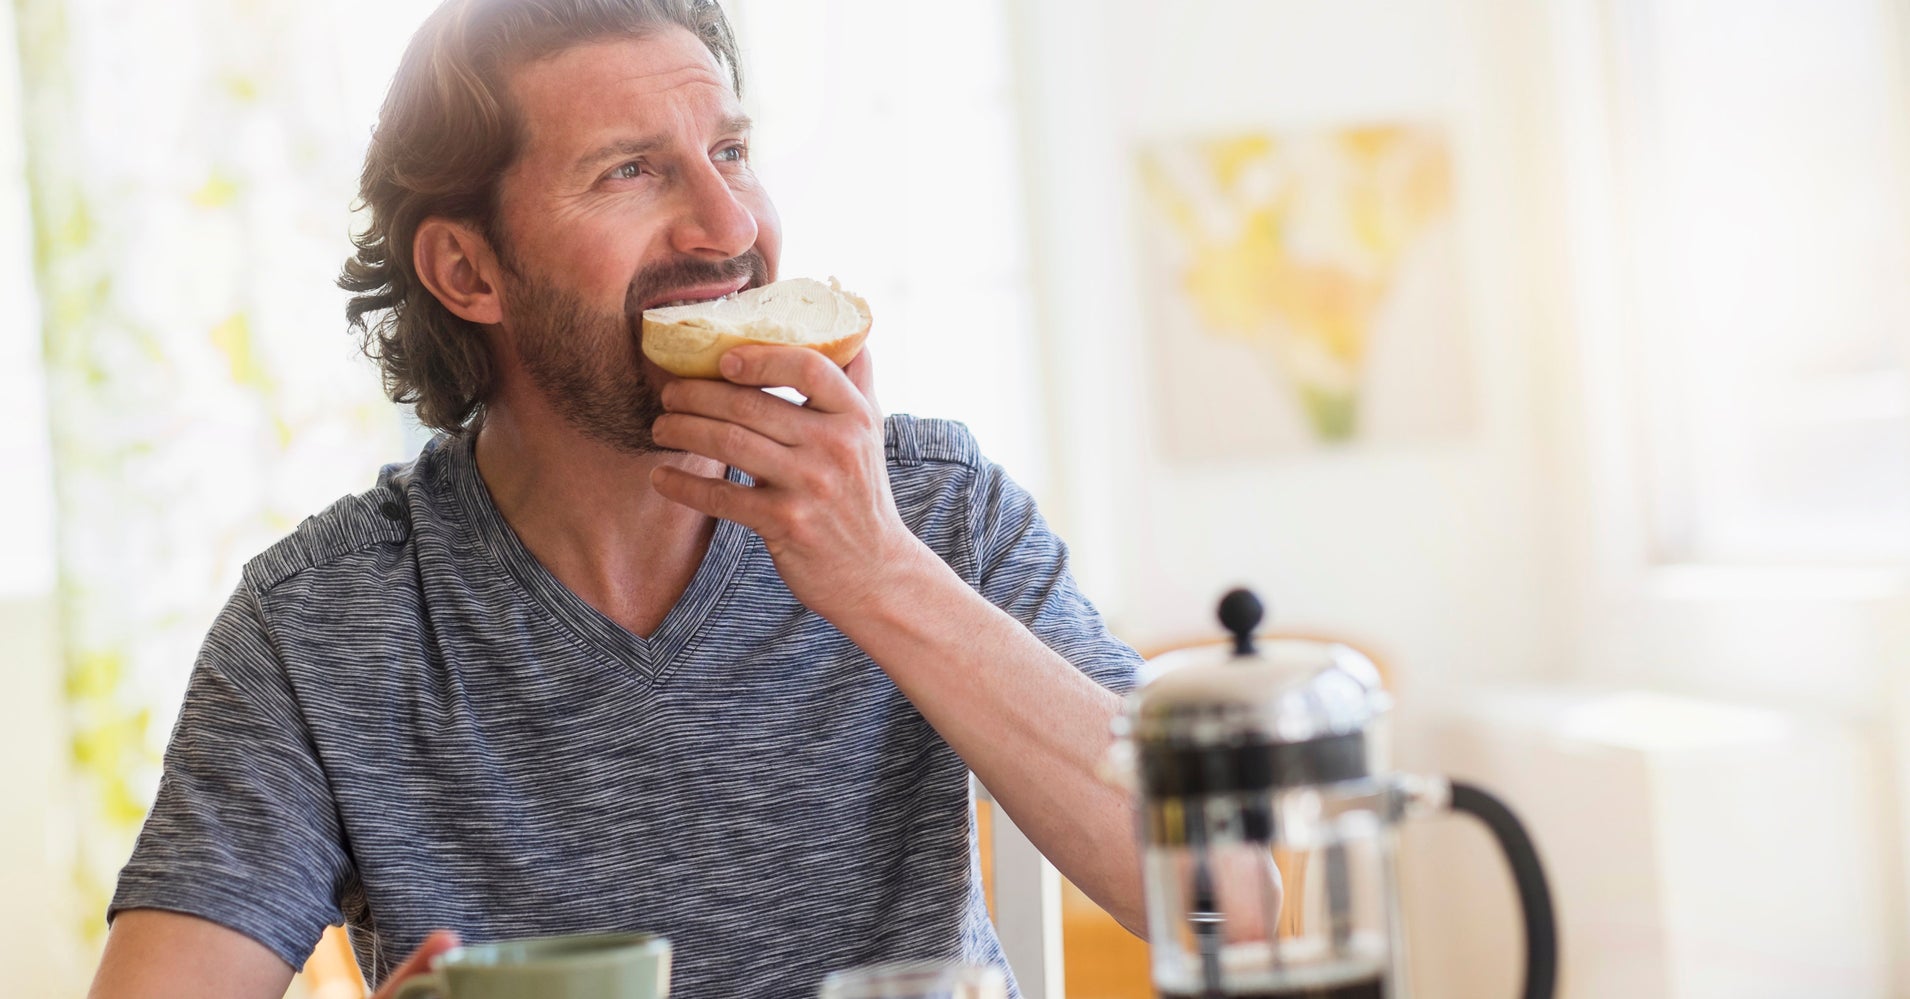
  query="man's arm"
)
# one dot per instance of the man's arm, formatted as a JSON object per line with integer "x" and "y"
{"x": 1030, "y": 725}
{"x": 154, "y": 954}
{"x": 243, "y": 830}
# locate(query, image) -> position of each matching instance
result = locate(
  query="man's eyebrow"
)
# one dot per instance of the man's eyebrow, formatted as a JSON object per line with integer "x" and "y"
{"x": 620, "y": 149}
{"x": 631, "y": 148}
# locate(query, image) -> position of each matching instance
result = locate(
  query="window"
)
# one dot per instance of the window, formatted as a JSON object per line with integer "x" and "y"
{"x": 26, "y": 505}
{"x": 1763, "y": 205}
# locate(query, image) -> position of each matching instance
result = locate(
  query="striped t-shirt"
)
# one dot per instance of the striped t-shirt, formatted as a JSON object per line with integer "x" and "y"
{"x": 402, "y": 721}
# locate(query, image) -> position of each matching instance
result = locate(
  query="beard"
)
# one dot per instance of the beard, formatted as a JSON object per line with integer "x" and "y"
{"x": 587, "y": 361}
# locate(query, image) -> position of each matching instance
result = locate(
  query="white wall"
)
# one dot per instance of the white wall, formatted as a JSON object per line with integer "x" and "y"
{"x": 1436, "y": 556}
{"x": 885, "y": 131}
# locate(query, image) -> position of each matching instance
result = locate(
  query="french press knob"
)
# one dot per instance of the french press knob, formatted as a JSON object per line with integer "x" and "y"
{"x": 1269, "y": 822}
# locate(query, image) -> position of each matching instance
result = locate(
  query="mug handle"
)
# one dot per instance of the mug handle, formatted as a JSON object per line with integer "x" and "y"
{"x": 429, "y": 983}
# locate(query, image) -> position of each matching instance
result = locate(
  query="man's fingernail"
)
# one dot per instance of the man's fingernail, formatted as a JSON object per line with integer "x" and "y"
{"x": 731, "y": 365}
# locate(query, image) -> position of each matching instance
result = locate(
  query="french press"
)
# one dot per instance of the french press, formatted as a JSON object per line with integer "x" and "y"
{"x": 1269, "y": 819}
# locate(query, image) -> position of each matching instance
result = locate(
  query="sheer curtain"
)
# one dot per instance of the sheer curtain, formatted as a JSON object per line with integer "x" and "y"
{"x": 190, "y": 167}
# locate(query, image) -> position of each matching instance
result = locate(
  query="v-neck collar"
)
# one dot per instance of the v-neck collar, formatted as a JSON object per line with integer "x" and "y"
{"x": 650, "y": 657}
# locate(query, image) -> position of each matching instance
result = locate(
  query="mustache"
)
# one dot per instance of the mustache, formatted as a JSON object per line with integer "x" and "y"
{"x": 683, "y": 272}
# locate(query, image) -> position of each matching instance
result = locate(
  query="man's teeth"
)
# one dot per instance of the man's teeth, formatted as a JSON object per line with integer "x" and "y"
{"x": 673, "y": 303}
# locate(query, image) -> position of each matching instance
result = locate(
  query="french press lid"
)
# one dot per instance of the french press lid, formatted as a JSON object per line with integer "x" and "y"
{"x": 1257, "y": 715}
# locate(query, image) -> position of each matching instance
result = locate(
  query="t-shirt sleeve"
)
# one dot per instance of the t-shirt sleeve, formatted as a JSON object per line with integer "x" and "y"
{"x": 244, "y": 831}
{"x": 1023, "y": 568}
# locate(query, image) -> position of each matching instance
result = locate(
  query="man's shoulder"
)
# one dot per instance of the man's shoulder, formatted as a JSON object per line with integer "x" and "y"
{"x": 378, "y": 518}
{"x": 915, "y": 441}
{"x": 946, "y": 489}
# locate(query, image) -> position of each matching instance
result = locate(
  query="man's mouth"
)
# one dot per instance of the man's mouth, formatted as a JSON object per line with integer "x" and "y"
{"x": 698, "y": 294}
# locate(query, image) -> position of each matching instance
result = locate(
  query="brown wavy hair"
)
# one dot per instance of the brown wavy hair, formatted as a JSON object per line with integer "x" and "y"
{"x": 445, "y": 137}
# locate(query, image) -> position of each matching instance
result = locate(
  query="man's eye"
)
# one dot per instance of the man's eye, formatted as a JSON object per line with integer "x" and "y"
{"x": 733, "y": 154}
{"x": 629, "y": 171}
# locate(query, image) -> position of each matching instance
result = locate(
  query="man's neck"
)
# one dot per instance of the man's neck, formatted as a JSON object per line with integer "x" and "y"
{"x": 587, "y": 513}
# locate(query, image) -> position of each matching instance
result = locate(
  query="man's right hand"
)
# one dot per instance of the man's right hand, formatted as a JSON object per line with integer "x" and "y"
{"x": 153, "y": 954}
{"x": 419, "y": 962}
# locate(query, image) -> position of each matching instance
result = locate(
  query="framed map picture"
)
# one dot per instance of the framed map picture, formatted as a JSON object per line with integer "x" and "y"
{"x": 1303, "y": 291}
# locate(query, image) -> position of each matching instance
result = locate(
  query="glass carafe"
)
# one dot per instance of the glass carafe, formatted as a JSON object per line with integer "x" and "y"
{"x": 1269, "y": 817}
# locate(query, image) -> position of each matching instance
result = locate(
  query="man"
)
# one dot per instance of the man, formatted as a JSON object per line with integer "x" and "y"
{"x": 617, "y": 651}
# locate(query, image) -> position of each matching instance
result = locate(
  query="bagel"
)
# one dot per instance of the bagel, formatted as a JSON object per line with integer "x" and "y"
{"x": 689, "y": 340}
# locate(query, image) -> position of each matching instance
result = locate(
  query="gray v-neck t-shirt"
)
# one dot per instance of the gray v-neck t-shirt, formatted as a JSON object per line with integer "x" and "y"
{"x": 402, "y": 721}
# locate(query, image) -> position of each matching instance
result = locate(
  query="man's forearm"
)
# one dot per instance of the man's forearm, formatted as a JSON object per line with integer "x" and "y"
{"x": 1029, "y": 725}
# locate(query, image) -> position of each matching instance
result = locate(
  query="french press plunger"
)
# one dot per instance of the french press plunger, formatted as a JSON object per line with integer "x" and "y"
{"x": 1269, "y": 816}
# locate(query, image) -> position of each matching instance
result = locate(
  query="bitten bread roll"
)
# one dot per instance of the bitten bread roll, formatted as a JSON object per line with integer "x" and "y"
{"x": 687, "y": 340}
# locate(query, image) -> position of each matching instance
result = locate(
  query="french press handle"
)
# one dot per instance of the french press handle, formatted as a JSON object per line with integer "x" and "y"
{"x": 1528, "y": 877}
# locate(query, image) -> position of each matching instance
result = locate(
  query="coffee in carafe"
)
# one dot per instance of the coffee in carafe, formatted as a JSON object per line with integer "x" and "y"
{"x": 1358, "y": 983}
{"x": 1366, "y": 988}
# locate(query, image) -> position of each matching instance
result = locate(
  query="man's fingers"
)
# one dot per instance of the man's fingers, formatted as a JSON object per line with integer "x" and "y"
{"x": 861, "y": 372}
{"x": 718, "y": 498}
{"x": 809, "y": 372}
{"x": 729, "y": 443}
{"x": 438, "y": 942}
{"x": 777, "y": 419}
{"x": 419, "y": 962}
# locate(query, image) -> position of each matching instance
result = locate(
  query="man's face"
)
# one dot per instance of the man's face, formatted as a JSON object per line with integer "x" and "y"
{"x": 632, "y": 189}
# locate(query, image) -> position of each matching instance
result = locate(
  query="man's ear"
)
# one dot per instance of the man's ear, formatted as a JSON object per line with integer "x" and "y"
{"x": 458, "y": 266}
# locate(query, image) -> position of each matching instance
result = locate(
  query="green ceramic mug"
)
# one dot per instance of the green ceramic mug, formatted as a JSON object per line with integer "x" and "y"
{"x": 594, "y": 966}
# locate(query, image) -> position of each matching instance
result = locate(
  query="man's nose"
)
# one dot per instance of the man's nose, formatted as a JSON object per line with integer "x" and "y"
{"x": 713, "y": 222}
